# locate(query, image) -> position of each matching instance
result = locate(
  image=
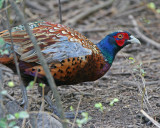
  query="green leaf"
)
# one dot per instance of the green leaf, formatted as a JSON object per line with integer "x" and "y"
{"x": 135, "y": 70}
{"x": 16, "y": 127}
{"x": 158, "y": 10}
{"x": 16, "y": 115}
{"x": 84, "y": 120}
{"x": 22, "y": 115}
{"x": 12, "y": 123}
{"x": 30, "y": 86}
{"x": 42, "y": 85}
{"x": 1, "y": 3}
{"x": 113, "y": 101}
{"x": 71, "y": 108}
{"x": 6, "y": 52}
{"x": 79, "y": 123}
{"x": 151, "y": 5}
{"x": 85, "y": 114}
{"x": 10, "y": 117}
{"x": 131, "y": 58}
{"x": 4, "y": 92}
{"x": 99, "y": 106}
{"x": 2, "y": 42}
{"x": 11, "y": 84}
{"x": 3, "y": 123}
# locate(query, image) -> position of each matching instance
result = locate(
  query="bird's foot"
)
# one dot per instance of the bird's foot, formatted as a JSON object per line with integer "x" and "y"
{"x": 23, "y": 103}
{"x": 72, "y": 115}
{"x": 68, "y": 115}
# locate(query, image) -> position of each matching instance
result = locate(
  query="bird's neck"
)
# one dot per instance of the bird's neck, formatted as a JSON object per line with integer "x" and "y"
{"x": 108, "y": 49}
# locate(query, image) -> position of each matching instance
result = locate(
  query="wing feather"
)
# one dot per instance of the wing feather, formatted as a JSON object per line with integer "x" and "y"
{"x": 56, "y": 41}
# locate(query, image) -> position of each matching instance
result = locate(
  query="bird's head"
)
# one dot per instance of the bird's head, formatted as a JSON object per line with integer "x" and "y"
{"x": 121, "y": 39}
{"x": 114, "y": 42}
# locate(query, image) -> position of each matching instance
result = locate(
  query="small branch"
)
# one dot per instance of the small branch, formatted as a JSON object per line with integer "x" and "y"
{"x": 43, "y": 63}
{"x": 150, "y": 118}
{"x": 60, "y": 11}
{"x": 42, "y": 105}
{"x": 10, "y": 97}
{"x": 88, "y": 12}
{"x": 141, "y": 35}
{"x": 23, "y": 89}
{"x": 80, "y": 92}
{"x": 77, "y": 111}
{"x": 2, "y": 108}
{"x": 135, "y": 10}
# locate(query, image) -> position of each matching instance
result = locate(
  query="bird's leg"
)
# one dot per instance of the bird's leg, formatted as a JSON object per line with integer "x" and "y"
{"x": 68, "y": 115}
{"x": 26, "y": 80}
{"x": 49, "y": 101}
{"x": 46, "y": 97}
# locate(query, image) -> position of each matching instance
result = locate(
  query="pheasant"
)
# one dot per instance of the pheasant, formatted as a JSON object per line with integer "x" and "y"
{"x": 70, "y": 56}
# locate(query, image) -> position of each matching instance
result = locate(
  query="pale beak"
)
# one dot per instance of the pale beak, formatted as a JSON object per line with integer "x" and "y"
{"x": 134, "y": 40}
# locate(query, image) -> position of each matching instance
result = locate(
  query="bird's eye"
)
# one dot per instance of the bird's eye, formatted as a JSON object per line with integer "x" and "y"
{"x": 120, "y": 36}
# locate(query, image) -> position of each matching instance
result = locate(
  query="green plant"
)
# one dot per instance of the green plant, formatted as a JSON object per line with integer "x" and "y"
{"x": 3, "y": 51}
{"x": 30, "y": 86}
{"x": 1, "y": 3}
{"x": 10, "y": 120}
{"x": 152, "y": 6}
{"x": 84, "y": 120}
{"x": 42, "y": 85}
{"x": 71, "y": 108}
{"x": 11, "y": 84}
{"x": 113, "y": 101}
{"x": 99, "y": 106}
{"x": 138, "y": 68}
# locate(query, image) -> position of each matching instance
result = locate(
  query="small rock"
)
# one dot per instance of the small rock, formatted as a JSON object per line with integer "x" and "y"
{"x": 44, "y": 120}
{"x": 13, "y": 107}
{"x": 158, "y": 104}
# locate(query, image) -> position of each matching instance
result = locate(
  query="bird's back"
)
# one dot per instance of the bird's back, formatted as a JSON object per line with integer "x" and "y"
{"x": 71, "y": 57}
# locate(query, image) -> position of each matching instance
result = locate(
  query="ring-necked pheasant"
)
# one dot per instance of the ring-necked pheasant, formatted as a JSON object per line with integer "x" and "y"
{"x": 71, "y": 57}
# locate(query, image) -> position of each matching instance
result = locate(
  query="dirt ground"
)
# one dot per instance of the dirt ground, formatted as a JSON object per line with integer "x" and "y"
{"x": 124, "y": 80}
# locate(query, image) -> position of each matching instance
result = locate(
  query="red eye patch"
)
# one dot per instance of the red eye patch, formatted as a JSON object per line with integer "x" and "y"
{"x": 121, "y": 37}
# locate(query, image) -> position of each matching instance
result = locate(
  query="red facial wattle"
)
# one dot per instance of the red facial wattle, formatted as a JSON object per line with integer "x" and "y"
{"x": 121, "y": 38}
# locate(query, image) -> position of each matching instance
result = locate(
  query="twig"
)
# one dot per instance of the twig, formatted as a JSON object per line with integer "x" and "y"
{"x": 88, "y": 12}
{"x": 35, "y": 5}
{"x": 23, "y": 123}
{"x": 130, "y": 11}
{"x": 43, "y": 62}
{"x": 42, "y": 105}
{"x": 60, "y": 11}
{"x": 7, "y": 7}
{"x": 150, "y": 118}
{"x": 84, "y": 94}
{"x": 80, "y": 92}
{"x": 10, "y": 97}
{"x": 134, "y": 83}
{"x": 139, "y": 87}
{"x": 23, "y": 89}
{"x": 77, "y": 111}
{"x": 2, "y": 108}
{"x": 144, "y": 94}
{"x": 141, "y": 35}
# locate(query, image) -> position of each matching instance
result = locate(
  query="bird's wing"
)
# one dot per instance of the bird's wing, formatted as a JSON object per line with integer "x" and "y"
{"x": 57, "y": 42}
